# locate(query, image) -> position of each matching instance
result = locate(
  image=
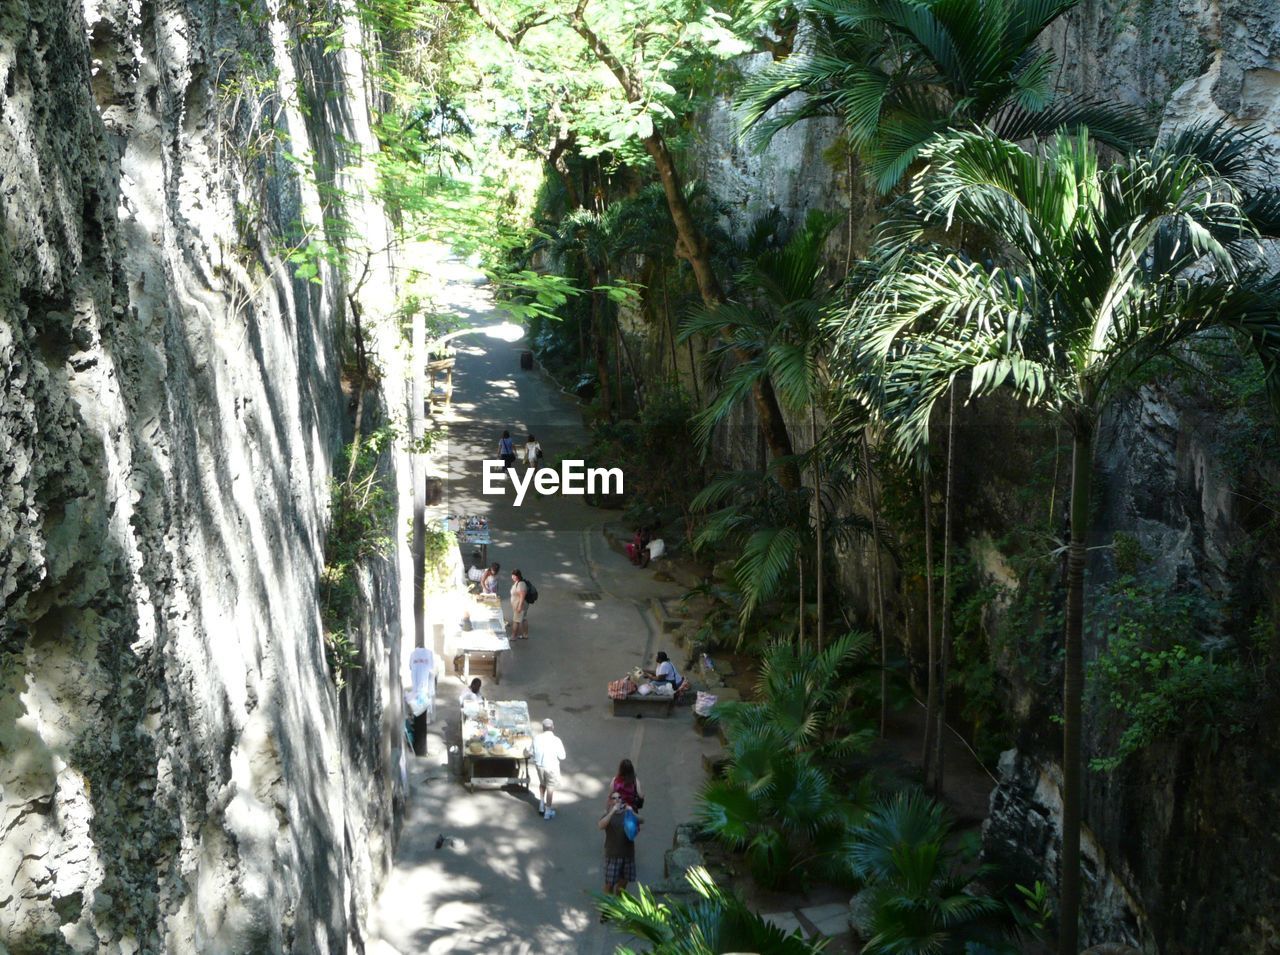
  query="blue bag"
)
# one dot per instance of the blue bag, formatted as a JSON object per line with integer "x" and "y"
{"x": 630, "y": 824}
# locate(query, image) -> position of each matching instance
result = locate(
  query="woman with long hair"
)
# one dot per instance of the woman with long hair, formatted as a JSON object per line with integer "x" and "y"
{"x": 627, "y": 785}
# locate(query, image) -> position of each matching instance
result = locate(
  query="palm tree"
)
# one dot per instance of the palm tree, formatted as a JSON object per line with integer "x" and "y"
{"x": 769, "y": 335}
{"x": 778, "y": 800}
{"x": 594, "y": 238}
{"x": 717, "y": 922}
{"x": 919, "y": 905}
{"x": 898, "y": 72}
{"x": 1089, "y": 274}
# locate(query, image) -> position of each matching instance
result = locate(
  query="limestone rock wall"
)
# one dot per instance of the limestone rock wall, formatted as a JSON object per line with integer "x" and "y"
{"x": 177, "y": 771}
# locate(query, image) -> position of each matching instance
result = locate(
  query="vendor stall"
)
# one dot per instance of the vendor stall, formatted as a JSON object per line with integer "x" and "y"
{"x": 497, "y": 741}
{"x": 482, "y": 647}
{"x": 473, "y": 532}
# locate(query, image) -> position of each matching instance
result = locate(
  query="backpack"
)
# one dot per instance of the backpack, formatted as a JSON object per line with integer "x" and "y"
{"x": 531, "y": 594}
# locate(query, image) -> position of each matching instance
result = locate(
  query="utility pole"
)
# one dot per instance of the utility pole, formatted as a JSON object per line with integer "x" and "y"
{"x": 418, "y": 470}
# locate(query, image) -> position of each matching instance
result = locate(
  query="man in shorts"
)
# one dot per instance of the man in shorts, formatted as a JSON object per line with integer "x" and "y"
{"x": 519, "y": 606}
{"x": 619, "y": 851}
{"x": 548, "y": 750}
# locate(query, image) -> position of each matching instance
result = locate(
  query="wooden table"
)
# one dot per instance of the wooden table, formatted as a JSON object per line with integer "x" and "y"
{"x": 487, "y": 639}
{"x": 647, "y": 705}
{"x": 496, "y": 743}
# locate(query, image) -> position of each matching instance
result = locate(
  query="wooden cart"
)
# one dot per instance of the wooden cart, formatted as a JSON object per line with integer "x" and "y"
{"x": 497, "y": 742}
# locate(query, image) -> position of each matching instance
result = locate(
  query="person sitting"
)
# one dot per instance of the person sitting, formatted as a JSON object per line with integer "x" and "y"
{"x": 476, "y": 572}
{"x": 636, "y": 550}
{"x": 666, "y": 671}
{"x": 472, "y": 693}
{"x": 627, "y": 785}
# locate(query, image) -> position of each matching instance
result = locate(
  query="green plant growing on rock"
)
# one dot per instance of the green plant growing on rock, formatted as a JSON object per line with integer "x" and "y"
{"x": 717, "y": 921}
{"x": 899, "y": 74}
{"x": 362, "y": 512}
{"x": 1090, "y": 273}
{"x": 1157, "y": 679}
{"x": 779, "y": 801}
{"x": 919, "y": 903}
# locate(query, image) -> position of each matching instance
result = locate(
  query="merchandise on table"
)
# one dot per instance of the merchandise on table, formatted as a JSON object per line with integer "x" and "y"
{"x": 497, "y": 729}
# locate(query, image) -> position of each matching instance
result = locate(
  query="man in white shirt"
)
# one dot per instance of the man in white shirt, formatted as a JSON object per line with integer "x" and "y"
{"x": 472, "y": 693}
{"x": 547, "y": 753}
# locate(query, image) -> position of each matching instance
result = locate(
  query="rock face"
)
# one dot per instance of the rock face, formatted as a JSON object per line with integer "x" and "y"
{"x": 1172, "y": 865}
{"x": 177, "y": 772}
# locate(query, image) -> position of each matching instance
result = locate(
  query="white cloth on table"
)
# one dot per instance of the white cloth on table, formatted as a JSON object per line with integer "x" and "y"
{"x": 422, "y": 674}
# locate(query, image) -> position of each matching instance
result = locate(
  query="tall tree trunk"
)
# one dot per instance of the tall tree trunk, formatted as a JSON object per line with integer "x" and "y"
{"x": 945, "y": 654}
{"x": 692, "y": 246}
{"x": 670, "y": 326}
{"x": 693, "y": 372}
{"x": 555, "y": 158}
{"x": 601, "y": 346}
{"x": 800, "y": 564}
{"x": 875, "y": 538}
{"x": 931, "y": 691}
{"x": 1073, "y": 687}
{"x": 817, "y": 500}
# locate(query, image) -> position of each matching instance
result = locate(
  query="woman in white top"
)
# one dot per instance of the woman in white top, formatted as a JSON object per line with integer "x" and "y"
{"x": 666, "y": 672}
{"x": 532, "y": 452}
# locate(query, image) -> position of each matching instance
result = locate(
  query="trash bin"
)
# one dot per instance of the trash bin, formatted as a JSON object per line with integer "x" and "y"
{"x": 526, "y": 360}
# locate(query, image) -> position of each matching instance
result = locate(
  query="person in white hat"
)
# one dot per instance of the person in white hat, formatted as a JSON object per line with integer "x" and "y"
{"x": 547, "y": 753}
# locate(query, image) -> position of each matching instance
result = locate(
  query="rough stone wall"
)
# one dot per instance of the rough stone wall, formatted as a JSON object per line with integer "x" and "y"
{"x": 1173, "y": 863}
{"x": 177, "y": 772}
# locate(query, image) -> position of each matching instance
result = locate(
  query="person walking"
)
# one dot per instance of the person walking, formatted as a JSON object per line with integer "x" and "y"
{"x": 507, "y": 450}
{"x": 519, "y": 606}
{"x": 619, "y": 851}
{"x": 548, "y": 751}
{"x": 532, "y": 453}
{"x": 627, "y": 785}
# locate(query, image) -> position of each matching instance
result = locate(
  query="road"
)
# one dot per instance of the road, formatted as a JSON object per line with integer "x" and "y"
{"x": 507, "y": 880}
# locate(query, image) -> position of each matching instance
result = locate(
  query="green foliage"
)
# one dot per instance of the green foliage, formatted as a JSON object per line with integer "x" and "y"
{"x": 919, "y": 899}
{"x": 1164, "y": 675}
{"x": 362, "y": 512}
{"x": 717, "y": 922}
{"x": 752, "y": 516}
{"x": 779, "y": 801}
{"x": 772, "y": 330}
{"x": 662, "y": 475}
{"x": 899, "y": 75}
{"x": 437, "y": 545}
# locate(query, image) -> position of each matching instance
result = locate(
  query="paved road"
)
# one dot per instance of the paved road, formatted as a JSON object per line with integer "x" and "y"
{"x": 510, "y": 881}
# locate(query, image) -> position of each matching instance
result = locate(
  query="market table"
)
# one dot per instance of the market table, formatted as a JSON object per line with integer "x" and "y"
{"x": 472, "y": 531}
{"x": 487, "y": 638}
{"x": 497, "y": 741}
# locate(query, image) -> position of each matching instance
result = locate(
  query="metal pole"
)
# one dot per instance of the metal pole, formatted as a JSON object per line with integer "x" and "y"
{"x": 418, "y": 470}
